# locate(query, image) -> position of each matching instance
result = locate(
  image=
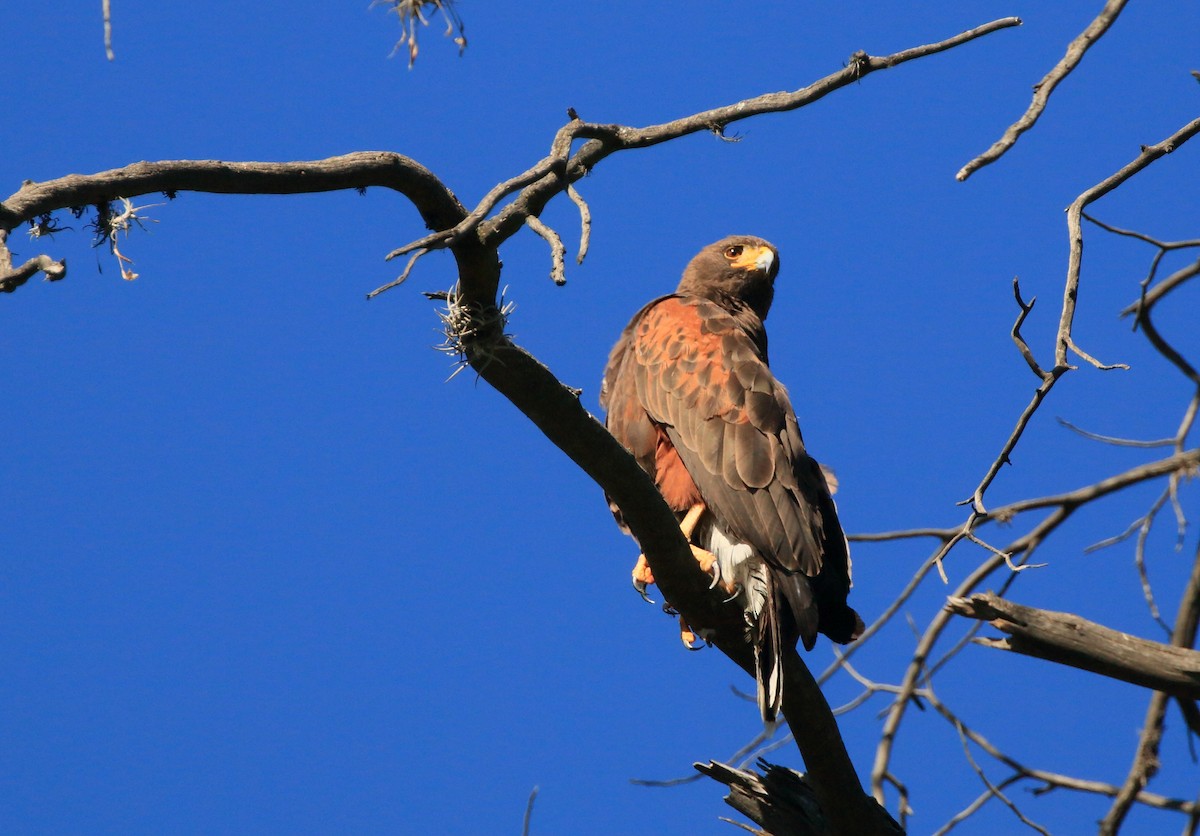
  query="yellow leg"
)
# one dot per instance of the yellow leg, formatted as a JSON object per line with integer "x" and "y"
{"x": 643, "y": 577}
{"x": 688, "y": 525}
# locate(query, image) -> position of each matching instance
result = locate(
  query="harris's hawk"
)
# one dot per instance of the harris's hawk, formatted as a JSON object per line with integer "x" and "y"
{"x": 688, "y": 392}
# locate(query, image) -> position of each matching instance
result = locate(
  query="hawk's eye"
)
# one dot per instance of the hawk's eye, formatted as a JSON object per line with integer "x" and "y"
{"x": 733, "y": 252}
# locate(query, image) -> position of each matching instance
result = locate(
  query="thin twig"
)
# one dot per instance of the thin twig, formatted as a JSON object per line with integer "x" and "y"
{"x": 1017, "y": 338}
{"x": 1113, "y": 440}
{"x": 557, "y": 249}
{"x": 533, "y": 794}
{"x": 1141, "y": 236}
{"x": 399, "y": 280}
{"x": 1148, "y": 155}
{"x": 585, "y": 222}
{"x": 105, "y": 7}
{"x": 987, "y": 782}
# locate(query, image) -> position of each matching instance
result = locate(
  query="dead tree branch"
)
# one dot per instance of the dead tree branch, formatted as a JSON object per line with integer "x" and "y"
{"x": 1042, "y": 90}
{"x": 1146, "y": 762}
{"x": 1047, "y": 781}
{"x": 1063, "y": 506}
{"x": 553, "y": 174}
{"x": 1065, "y": 343}
{"x": 778, "y": 799}
{"x": 1067, "y": 639}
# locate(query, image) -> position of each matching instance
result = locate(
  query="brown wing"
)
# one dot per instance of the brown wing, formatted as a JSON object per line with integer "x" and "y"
{"x": 685, "y": 365}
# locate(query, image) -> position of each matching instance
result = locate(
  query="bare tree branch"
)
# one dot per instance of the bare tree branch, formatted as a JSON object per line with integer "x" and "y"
{"x": 561, "y": 168}
{"x": 1042, "y": 90}
{"x": 1070, "y": 640}
{"x": 528, "y": 818}
{"x": 1113, "y": 440}
{"x": 1048, "y": 780}
{"x": 1148, "y": 155}
{"x": 1146, "y": 762}
{"x": 1064, "y": 505}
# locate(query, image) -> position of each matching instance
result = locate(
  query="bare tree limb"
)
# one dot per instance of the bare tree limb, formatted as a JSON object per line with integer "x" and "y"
{"x": 557, "y": 248}
{"x": 1049, "y": 781}
{"x": 1151, "y": 298}
{"x": 528, "y": 818}
{"x": 561, "y": 168}
{"x": 585, "y": 223}
{"x": 1042, "y": 90}
{"x": 1113, "y": 440}
{"x": 1067, "y": 639}
{"x": 1146, "y": 761}
{"x": 1065, "y": 342}
{"x": 437, "y": 205}
{"x": 1064, "y": 505}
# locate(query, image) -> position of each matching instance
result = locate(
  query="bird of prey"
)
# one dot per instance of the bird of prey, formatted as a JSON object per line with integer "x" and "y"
{"x": 689, "y": 393}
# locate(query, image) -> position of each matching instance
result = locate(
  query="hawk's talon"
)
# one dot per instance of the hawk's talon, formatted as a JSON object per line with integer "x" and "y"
{"x": 734, "y": 592}
{"x": 642, "y": 578}
{"x": 709, "y": 564}
{"x": 716, "y": 575}
{"x": 687, "y": 636}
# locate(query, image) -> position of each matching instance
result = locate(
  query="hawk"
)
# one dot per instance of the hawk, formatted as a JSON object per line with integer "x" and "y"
{"x": 688, "y": 391}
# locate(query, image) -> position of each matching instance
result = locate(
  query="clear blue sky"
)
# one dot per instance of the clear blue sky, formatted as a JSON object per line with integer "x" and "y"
{"x": 264, "y": 570}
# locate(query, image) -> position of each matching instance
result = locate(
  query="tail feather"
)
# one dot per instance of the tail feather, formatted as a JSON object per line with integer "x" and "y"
{"x": 768, "y": 661}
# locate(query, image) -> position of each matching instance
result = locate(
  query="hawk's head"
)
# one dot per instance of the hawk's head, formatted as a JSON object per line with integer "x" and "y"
{"x": 741, "y": 268}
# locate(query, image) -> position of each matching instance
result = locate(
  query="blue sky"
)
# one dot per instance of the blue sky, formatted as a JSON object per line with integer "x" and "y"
{"x": 265, "y": 570}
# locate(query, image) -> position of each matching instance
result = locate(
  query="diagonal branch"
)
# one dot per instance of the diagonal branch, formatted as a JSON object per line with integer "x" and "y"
{"x": 1042, "y": 90}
